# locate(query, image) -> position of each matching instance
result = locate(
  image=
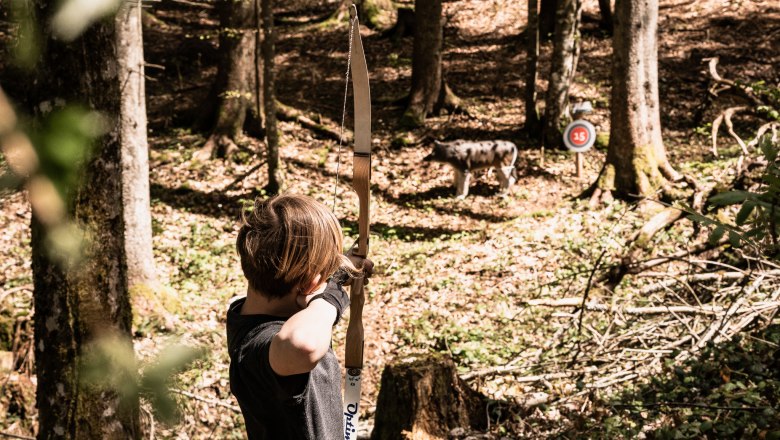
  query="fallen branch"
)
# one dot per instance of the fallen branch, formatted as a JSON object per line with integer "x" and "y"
{"x": 203, "y": 5}
{"x": 763, "y": 129}
{"x": 726, "y": 117}
{"x": 206, "y": 400}
{"x": 649, "y": 310}
{"x": 690, "y": 405}
{"x": 243, "y": 176}
{"x": 699, "y": 277}
{"x": 11, "y": 291}
{"x": 729, "y": 84}
{"x": 290, "y": 114}
{"x": 8, "y": 434}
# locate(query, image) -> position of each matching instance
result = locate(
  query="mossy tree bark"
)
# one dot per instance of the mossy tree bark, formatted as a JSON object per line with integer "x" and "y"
{"x": 423, "y": 398}
{"x": 429, "y": 92}
{"x": 531, "y": 65}
{"x": 234, "y": 89}
{"x": 75, "y": 306}
{"x": 377, "y": 14}
{"x": 566, "y": 52}
{"x": 269, "y": 87}
{"x": 636, "y": 164}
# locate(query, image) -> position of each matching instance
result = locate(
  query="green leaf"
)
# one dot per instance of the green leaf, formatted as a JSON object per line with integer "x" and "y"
{"x": 716, "y": 235}
{"x": 735, "y": 239}
{"x": 729, "y": 197}
{"x": 744, "y": 212}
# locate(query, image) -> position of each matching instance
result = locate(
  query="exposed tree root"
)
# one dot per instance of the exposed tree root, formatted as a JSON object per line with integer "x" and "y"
{"x": 217, "y": 145}
{"x": 287, "y": 113}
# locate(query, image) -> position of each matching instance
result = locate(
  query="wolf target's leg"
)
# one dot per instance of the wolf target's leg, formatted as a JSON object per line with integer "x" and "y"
{"x": 462, "y": 183}
{"x": 507, "y": 177}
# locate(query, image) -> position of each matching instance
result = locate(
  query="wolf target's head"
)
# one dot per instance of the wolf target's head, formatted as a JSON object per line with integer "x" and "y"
{"x": 438, "y": 154}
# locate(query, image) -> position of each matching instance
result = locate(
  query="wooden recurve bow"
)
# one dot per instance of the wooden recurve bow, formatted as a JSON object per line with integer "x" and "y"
{"x": 361, "y": 184}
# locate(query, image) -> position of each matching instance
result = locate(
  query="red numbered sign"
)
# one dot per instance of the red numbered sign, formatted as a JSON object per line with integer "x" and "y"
{"x": 579, "y": 136}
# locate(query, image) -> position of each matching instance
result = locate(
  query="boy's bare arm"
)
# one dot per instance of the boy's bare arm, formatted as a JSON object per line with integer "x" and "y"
{"x": 303, "y": 340}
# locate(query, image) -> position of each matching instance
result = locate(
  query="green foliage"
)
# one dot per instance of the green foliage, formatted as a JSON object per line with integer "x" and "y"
{"x": 110, "y": 364}
{"x": 467, "y": 343}
{"x": 757, "y": 219}
{"x": 729, "y": 391}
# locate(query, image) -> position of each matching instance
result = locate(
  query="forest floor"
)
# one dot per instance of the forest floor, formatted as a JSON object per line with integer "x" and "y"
{"x": 453, "y": 276}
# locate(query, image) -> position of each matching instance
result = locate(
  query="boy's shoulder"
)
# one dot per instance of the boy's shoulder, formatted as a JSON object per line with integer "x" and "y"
{"x": 243, "y": 330}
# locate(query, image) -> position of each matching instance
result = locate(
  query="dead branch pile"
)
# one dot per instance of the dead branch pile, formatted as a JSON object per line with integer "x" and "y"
{"x": 622, "y": 339}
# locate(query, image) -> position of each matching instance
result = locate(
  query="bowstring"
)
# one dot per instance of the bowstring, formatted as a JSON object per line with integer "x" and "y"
{"x": 343, "y": 113}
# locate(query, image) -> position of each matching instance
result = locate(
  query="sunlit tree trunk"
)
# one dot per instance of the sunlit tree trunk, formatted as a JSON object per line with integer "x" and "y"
{"x": 74, "y": 307}
{"x": 426, "y": 61}
{"x": 232, "y": 95}
{"x": 429, "y": 92}
{"x": 532, "y": 61}
{"x": 135, "y": 152}
{"x": 636, "y": 164}
{"x": 566, "y": 51}
{"x": 269, "y": 92}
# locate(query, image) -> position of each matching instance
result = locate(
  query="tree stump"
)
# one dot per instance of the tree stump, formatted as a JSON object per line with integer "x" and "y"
{"x": 423, "y": 398}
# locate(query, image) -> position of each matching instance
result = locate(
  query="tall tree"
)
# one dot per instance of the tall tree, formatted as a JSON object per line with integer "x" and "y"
{"x": 234, "y": 89}
{"x": 566, "y": 51}
{"x": 74, "y": 306}
{"x": 429, "y": 92}
{"x": 636, "y": 164}
{"x": 605, "y": 8}
{"x": 532, "y": 61}
{"x": 269, "y": 85}
{"x": 135, "y": 150}
{"x": 547, "y": 18}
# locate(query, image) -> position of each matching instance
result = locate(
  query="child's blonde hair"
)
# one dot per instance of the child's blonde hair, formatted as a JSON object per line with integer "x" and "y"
{"x": 287, "y": 241}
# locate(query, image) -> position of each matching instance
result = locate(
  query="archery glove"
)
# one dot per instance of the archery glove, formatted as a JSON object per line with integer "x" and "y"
{"x": 334, "y": 295}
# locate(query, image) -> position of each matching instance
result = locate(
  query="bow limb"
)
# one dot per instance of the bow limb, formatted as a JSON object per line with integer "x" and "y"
{"x": 360, "y": 183}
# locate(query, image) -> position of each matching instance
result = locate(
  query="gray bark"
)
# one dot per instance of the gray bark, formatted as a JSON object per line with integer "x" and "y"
{"x": 636, "y": 163}
{"x": 269, "y": 92}
{"x": 426, "y": 61}
{"x": 74, "y": 307}
{"x": 566, "y": 51}
{"x": 135, "y": 152}
{"x": 532, "y": 61}
{"x": 234, "y": 88}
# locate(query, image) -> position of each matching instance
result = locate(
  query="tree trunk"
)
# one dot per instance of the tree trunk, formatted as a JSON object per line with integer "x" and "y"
{"x": 426, "y": 61}
{"x": 269, "y": 92}
{"x": 73, "y": 306}
{"x": 234, "y": 87}
{"x": 532, "y": 61}
{"x": 135, "y": 152}
{"x": 404, "y": 25}
{"x": 377, "y": 14}
{"x": 605, "y": 8}
{"x": 636, "y": 164}
{"x": 547, "y": 19}
{"x": 422, "y": 399}
{"x": 566, "y": 51}
{"x": 429, "y": 92}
